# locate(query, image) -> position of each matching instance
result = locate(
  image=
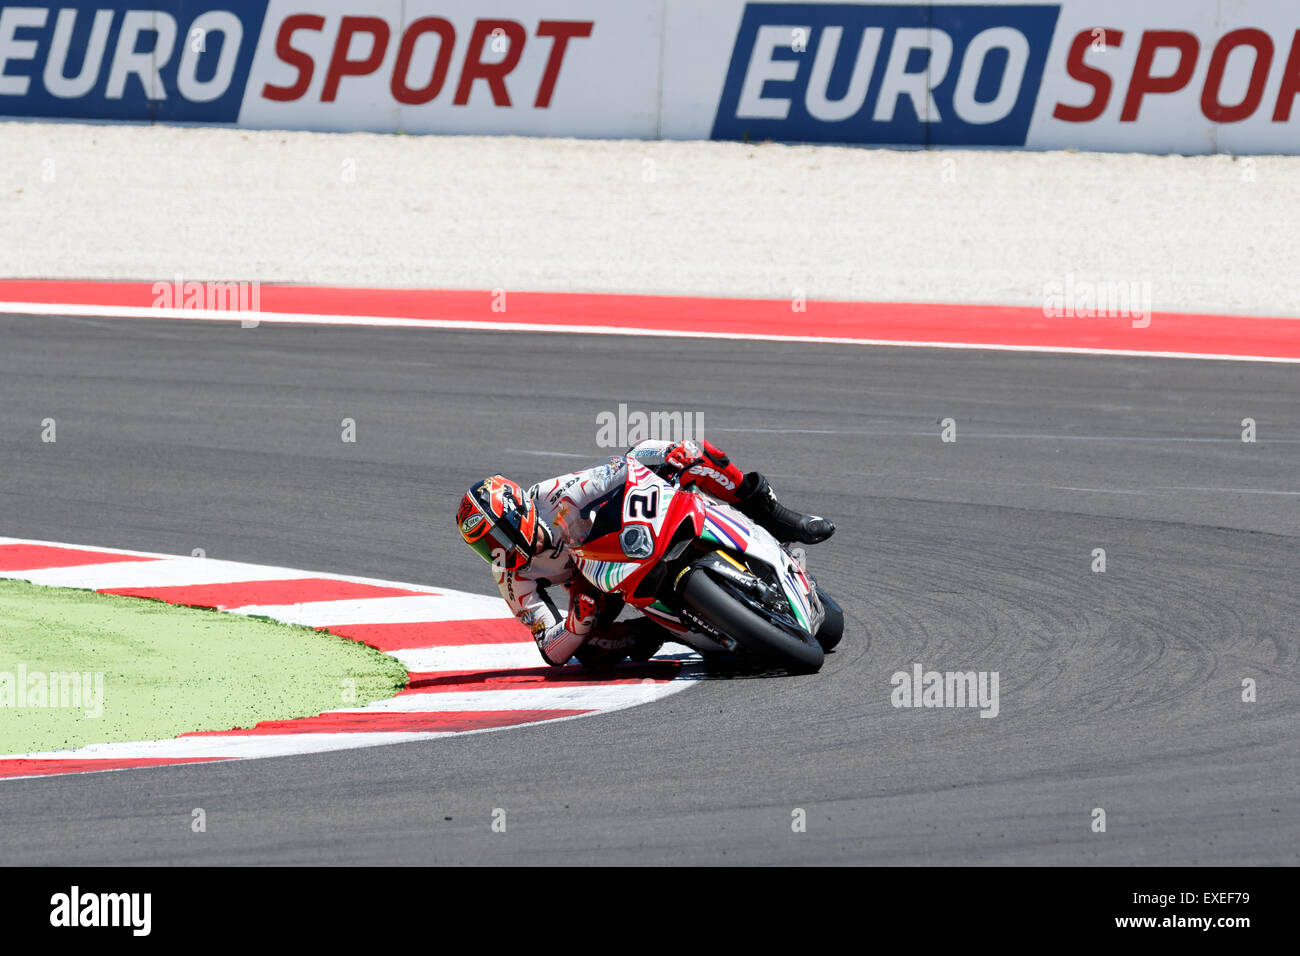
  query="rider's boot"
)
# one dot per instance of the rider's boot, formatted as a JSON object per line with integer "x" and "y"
{"x": 757, "y": 500}
{"x": 647, "y": 638}
{"x": 638, "y": 638}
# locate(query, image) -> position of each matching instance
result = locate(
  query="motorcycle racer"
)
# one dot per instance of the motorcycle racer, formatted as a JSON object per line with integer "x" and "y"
{"x": 525, "y": 536}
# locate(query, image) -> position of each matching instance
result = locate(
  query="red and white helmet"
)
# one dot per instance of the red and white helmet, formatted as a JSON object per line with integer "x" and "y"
{"x": 497, "y": 519}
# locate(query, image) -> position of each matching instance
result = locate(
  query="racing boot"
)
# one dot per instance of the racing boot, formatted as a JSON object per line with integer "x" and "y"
{"x": 647, "y": 638}
{"x": 638, "y": 639}
{"x": 757, "y": 500}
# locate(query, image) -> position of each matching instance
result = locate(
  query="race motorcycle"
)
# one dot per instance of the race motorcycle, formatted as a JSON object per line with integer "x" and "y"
{"x": 704, "y": 572}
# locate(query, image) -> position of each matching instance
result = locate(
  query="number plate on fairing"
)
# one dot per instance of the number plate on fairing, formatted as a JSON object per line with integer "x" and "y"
{"x": 646, "y": 501}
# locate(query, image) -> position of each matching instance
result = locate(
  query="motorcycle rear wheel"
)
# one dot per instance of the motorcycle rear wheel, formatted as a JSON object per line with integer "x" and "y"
{"x": 752, "y": 631}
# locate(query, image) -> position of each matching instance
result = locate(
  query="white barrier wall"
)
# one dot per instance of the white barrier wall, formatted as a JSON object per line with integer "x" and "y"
{"x": 1189, "y": 76}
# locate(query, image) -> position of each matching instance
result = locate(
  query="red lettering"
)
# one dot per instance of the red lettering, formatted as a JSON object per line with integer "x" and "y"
{"x": 1213, "y": 109}
{"x": 446, "y": 40}
{"x": 563, "y": 31}
{"x": 494, "y": 73}
{"x": 1143, "y": 82}
{"x": 285, "y": 51}
{"x": 1290, "y": 88}
{"x": 341, "y": 66}
{"x": 1099, "y": 80}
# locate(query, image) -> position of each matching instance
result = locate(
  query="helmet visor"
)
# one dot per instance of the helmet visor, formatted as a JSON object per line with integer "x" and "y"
{"x": 492, "y": 547}
{"x": 504, "y": 543}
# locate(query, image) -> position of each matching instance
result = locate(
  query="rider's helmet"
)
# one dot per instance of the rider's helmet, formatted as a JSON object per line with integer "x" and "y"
{"x": 497, "y": 519}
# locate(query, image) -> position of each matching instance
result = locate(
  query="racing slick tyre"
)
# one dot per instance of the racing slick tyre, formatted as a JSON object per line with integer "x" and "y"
{"x": 710, "y": 601}
{"x": 832, "y": 629}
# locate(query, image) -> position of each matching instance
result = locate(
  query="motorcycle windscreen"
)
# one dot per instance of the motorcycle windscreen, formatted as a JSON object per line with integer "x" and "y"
{"x": 599, "y": 518}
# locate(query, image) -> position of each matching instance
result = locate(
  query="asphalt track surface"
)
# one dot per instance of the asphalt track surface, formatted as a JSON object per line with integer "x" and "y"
{"x": 1119, "y": 690}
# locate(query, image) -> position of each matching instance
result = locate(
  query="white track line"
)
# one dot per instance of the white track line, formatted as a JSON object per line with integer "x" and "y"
{"x": 409, "y": 609}
{"x": 296, "y": 318}
{"x": 607, "y": 697}
{"x": 156, "y": 574}
{"x": 291, "y": 572}
{"x": 470, "y": 657}
{"x": 261, "y": 745}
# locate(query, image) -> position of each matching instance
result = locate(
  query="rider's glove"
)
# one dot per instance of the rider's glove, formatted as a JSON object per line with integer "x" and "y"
{"x": 704, "y": 464}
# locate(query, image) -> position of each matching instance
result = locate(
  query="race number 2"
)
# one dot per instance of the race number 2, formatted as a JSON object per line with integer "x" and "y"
{"x": 643, "y": 504}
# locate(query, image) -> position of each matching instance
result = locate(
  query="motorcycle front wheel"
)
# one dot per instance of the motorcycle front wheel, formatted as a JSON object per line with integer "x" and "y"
{"x": 757, "y": 635}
